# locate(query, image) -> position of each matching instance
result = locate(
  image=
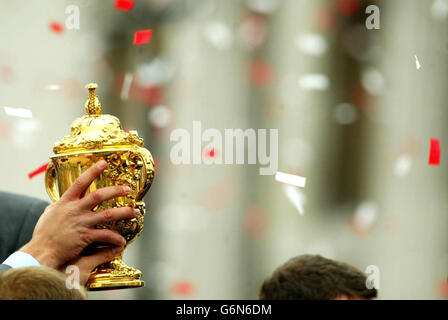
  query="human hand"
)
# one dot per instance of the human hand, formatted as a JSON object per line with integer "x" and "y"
{"x": 67, "y": 226}
{"x": 86, "y": 264}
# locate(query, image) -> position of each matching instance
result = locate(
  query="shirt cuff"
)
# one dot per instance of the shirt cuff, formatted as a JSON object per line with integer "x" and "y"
{"x": 21, "y": 259}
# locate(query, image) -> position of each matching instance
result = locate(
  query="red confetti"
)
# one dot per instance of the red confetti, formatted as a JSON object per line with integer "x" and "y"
{"x": 324, "y": 18}
{"x": 56, "y": 27}
{"x": 443, "y": 289}
{"x": 183, "y": 288}
{"x": 141, "y": 37}
{"x": 210, "y": 153}
{"x": 5, "y": 74}
{"x": 434, "y": 152}
{"x": 262, "y": 73}
{"x": 255, "y": 222}
{"x": 38, "y": 171}
{"x": 348, "y": 7}
{"x": 5, "y": 130}
{"x": 125, "y": 5}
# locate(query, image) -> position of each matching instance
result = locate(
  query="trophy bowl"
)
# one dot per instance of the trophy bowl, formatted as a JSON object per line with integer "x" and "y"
{"x": 97, "y": 137}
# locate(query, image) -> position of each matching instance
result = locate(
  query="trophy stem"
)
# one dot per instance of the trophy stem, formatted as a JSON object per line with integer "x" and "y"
{"x": 114, "y": 275}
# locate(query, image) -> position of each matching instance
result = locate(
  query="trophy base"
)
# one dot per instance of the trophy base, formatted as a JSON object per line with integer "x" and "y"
{"x": 111, "y": 284}
{"x": 114, "y": 275}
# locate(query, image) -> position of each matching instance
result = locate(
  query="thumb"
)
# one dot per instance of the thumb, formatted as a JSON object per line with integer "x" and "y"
{"x": 87, "y": 263}
{"x": 100, "y": 257}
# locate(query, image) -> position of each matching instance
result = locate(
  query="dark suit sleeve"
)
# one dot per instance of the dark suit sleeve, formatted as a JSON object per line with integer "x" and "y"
{"x": 4, "y": 267}
{"x": 18, "y": 216}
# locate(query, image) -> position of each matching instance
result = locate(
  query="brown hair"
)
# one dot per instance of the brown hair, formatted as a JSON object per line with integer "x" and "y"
{"x": 312, "y": 277}
{"x": 37, "y": 283}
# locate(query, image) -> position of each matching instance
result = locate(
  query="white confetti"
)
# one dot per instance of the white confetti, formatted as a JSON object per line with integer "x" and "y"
{"x": 297, "y": 198}
{"x": 218, "y": 34}
{"x": 127, "y": 82}
{"x": 311, "y": 44}
{"x": 403, "y": 165}
{"x": 159, "y": 116}
{"x": 156, "y": 72}
{"x": 292, "y": 179}
{"x": 53, "y": 87}
{"x": 373, "y": 81}
{"x": 18, "y": 112}
{"x": 314, "y": 82}
{"x": 365, "y": 215}
{"x": 417, "y": 63}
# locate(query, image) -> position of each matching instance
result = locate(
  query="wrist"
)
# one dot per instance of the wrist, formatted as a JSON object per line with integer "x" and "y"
{"x": 43, "y": 256}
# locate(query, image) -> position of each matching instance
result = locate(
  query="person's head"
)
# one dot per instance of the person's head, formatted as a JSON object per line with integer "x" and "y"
{"x": 37, "y": 283}
{"x": 312, "y": 277}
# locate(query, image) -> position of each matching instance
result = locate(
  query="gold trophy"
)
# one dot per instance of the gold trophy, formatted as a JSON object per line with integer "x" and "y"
{"x": 94, "y": 137}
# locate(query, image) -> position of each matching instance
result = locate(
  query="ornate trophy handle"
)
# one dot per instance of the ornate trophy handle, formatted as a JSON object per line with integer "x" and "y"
{"x": 147, "y": 172}
{"x": 50, "y": 182}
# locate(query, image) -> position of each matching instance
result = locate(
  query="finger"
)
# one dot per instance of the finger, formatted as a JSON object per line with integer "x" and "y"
{"x": 106, "y": 236}
{"x": 96, "y": 197}
{"x": 83, "y": 181}
{"x": 113, "y": 214}
{"x": 87, "y": 263}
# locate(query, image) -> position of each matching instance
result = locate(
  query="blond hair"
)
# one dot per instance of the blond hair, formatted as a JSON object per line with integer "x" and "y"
{"x": 37, "y": 283}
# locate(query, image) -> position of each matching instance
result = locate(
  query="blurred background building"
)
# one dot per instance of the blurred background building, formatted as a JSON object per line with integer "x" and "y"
{"x": 355, "y": 109}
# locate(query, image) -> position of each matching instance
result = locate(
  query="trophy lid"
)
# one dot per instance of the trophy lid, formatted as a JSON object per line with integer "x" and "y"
{"x": 96, "y": 131}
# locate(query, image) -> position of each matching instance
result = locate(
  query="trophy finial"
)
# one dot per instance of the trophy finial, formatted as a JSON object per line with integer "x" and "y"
{"x": 92, "y": 105}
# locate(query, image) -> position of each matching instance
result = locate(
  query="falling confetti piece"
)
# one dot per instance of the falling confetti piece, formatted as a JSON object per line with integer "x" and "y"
{"x": 348, "y": 7}
{"x": 159, "y": 116}
{"x": 324, "y": 18}
{"x": 38, "y": 171}
{"x": 314, "y": 82}
{"x": 53, "y": 87}
{"x": 290, "y": 179}
{"x": 443, "y": 288}
{"x": 56, "y": 27}
{"x": 364, "y": 217}
{"x": 255, "y": 222}
{"x": 6, "y": 74}
{"x": 434, "y": 152}
{"x": 183, "y": 288}
{"x": 5, "y": 130}
{"x": 312, "y": 44}
{"x": 18, "y": 112}
{"x": 125, "y": 5}
{"x": 218, "y": 34}
{"x": 127, "y": 82}
{"x": 261, "y": 73}
{"x": 403, "y": 165}
{"x": 297, "y": 198}
{"x": 417, "y": 63}
{"x": 210, "y": 153}
{"x": 142, "y": 36}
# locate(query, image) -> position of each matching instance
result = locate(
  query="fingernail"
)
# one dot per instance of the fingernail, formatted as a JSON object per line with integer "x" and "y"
{"x": 102, "y": 164}
{"x": 126, "y": 189}
{"x": 136, "y": 212}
